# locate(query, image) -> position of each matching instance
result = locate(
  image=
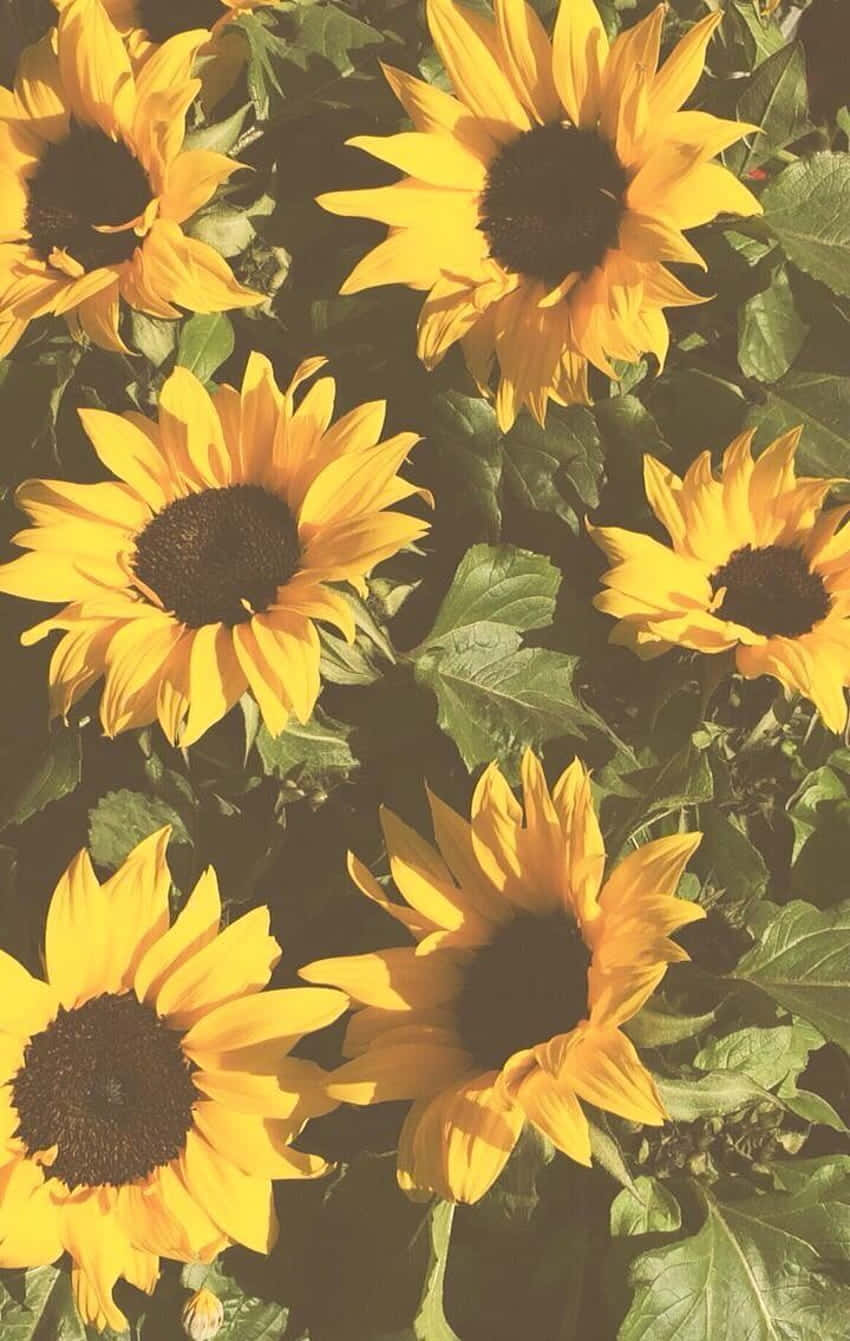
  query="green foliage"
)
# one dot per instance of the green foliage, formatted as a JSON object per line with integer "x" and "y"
{"x": 754, "y": 1267}
{"x": 475, "y": 645}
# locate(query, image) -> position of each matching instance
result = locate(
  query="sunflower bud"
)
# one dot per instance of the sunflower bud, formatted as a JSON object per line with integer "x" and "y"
{"x": 202, "y": 1316}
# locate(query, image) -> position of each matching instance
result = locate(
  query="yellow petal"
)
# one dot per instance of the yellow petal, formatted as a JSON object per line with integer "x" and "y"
{"x": 528, "y": 53}
{"x": 76, "y": 942}
{"x": 282, "y": 1014}
{"x": 604, "y": 1069}
{"x": 396, "y": 979}
{"x": 257, "y": 1146}
{"x": 240, "y": 1204}
{"x": 435, "y": 159}
{"x": 580, "y": 46}
{"x": 555, "y": 1112}
{"x": 468, "y": 47}
{"x": 680, "y": 73}
{"x": 392, "y": 1071}
{"x": 457, "y": 1144}
{"x": 195, "y": 927}
{"x": 96, "y": 76}
{"x": 216, "y": 681}
{"x": 237, "y": 962}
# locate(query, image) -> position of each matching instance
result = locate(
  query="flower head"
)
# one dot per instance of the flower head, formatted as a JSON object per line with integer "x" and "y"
{"x": 509, "y": 1007}
{"x": 756, "y": 566}
{"x": 542, "y": 199}
{"x": 95, "y": 185}
{"x": 202, "y": 573}
{"x": 147, "y": 1095}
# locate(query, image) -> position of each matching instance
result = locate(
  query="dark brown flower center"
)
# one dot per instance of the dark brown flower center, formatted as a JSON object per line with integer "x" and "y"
{"x": 109, "y": 1085}
{"x": 553, "y": 202}
{"x": 162, "y": 19}
{"x": 85, "y": 180}
{"x": 771, "y": 590}
{"x": 219, "y": 555}
{"x": 526, "y": 986}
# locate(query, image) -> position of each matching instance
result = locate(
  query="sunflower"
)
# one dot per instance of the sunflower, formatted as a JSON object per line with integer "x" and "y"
{"x": 147, "y": 1096}
{"x": 202, "y": 573}
{"x": 148, "y": 23}
{"x": 94, "y": 185}
{"x": 541, "y": 201}
{"x": 757, "y": 566}
{"x": 509, "y": 1008}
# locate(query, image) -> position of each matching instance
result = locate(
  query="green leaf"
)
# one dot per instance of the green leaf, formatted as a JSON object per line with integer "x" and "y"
{"x": 155, "y": 337}
{"x": 494, "y": 697}
{"x": 803, "y": 962}
{"x": 206, "y": 341}
{"x": 222, "y": 136}
{"x": 767, "y": 1056}
{"x": 312, "y": 755}
{"x": 37, "y": 1305}
{"x": 122, "y": 819}
{"x": 650, "y": 1209}
{"x": 771, "y": 332}
{"x": 732, "y": 862}
{"x": 758, "y": 1268}
{"x": 556, "y": 469}
{"x": 499, "y": 585}
{"x": 821, "y": 403}
{"x": 652, "y": 1028}
{"x": 466, "y": 443}
{"x": 775, "y": 100}
{"x": 325, "y": 48}
{"x": 41, "y": 776}
{"x": 807, "y": 208}
{"x": 713, "y": 1094}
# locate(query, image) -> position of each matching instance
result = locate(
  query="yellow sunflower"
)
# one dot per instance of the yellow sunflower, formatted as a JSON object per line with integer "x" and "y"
{"x": 94, "y": 185}
{"x": 148, "y": 23}
{"x": 202, "y": 573}
{"x": 147, "y": 1094}
{"x": 541, "y": 201}
{"x": 509, "y": 1008}
{"x": 756, "y": 566}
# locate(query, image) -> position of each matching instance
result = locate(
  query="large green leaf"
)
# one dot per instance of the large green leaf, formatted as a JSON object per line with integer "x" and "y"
{"x": 820, "y": 403}
{"x": 206, "y": 341}
{"x": 495, "y": 697}
{"x": 498, "y": 585}
{"x": 649, "y": 1208}
{"x": 712, "y": 1094}
{"x": 37, "y": 1305}
{"x": 803, "y": 962}
{"x": 556, "y": 469}
{"x": 774, "y": 100}
{"x": 36, "y": 778}
{"x": 763, "y": 1268}
{"x": 807, "y": 208}
{"x": 122, "y": 819}
{"x": 311, "y": 755}
{"x": 767, "y": 1056}
{"x": 771, "y": 331}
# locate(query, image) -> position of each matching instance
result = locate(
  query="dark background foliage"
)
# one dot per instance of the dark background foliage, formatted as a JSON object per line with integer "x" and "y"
{"x": 736, "y": 1220}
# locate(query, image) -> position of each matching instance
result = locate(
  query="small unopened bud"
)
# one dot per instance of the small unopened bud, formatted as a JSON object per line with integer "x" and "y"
{"x": 202, "y": 1316}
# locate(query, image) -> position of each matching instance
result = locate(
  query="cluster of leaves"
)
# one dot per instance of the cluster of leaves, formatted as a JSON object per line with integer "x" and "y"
{"x": 736, "y": 1223}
